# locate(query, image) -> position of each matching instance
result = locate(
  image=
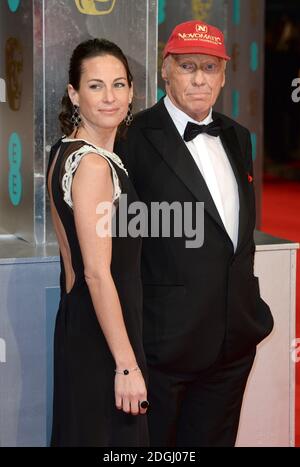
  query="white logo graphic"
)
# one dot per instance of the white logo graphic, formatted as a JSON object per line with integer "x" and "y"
{"x": 295, "y": 350}
{"x": 201, "y": 28}
{"x": 296, "y": 92}
{"x": 2, "y": 90}
{"x": 2, "y": 351}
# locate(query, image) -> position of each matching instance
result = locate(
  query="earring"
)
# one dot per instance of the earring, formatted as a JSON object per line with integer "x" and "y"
{"x": 76, "y": 119}
{"x": 129, "y": 117}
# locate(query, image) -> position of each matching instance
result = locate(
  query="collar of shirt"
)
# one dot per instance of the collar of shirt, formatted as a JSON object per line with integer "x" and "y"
{"x": 180, "y": 118}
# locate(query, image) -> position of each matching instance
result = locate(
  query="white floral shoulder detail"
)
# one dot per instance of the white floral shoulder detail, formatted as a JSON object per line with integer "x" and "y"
{"x": 72, "y": 163}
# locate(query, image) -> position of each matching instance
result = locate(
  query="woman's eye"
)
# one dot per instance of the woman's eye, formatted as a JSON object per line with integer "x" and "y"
{"x": 119, "y": 85}
{"x": 95, "y": 86}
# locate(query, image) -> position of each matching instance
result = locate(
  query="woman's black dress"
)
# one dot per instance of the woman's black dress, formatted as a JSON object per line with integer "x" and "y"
{"x": 84, "y": 411}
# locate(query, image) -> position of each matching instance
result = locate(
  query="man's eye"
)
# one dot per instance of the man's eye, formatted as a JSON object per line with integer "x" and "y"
{"x": 210, "y": 67}
{"x": 187, "y": 66}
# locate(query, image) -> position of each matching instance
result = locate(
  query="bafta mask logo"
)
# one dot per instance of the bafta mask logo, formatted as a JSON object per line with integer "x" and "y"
{"x": 255, "y": 7}
{"x": 253, "y": 102}
{"x": 95, "y": 7}
{"x": 201, "y": 10}
{"x": 235, "y": 54}
{"x": 13, "y": 72}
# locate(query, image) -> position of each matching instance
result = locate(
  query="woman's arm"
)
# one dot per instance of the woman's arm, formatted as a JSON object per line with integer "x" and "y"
{"x": 92, "y": 184}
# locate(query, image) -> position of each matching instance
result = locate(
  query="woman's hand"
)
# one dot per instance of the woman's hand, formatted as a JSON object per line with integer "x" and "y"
{"x": 130, "y": 390}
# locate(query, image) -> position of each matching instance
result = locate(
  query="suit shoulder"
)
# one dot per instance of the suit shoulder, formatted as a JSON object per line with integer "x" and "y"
{"x": 231, "y": 122}
{"x": 144, "y": 117}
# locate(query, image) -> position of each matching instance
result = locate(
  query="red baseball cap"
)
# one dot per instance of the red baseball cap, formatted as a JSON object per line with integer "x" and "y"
{"x": 196, "y": 37}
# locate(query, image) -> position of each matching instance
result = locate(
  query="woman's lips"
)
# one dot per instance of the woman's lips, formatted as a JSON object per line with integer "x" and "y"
{"x": 108, "y": 111}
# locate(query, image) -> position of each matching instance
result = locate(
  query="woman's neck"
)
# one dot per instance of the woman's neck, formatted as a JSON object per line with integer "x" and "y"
{"x": 104, "y": 139}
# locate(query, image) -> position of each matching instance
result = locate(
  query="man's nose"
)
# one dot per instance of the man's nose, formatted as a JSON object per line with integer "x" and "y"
{"x": 198, "y": 78}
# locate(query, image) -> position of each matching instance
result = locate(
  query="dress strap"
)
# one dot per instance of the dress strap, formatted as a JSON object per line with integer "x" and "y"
{"x": 73, "y": 161}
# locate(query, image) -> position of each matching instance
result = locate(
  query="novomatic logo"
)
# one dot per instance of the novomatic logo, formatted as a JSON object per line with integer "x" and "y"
{"x": 2, "y": 90}
{"x": 203, "y": 36}
{"x": 13, "y": 72}
{"x": 14, "y": 176}
{"x": 201, "y": 28}
{"x": 13, "y": 5}
{"x": 2, "y": 351}
{"x": 95, "y": 7}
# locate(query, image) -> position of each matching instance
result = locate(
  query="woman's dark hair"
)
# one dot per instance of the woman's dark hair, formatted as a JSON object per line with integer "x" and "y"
{"x": 88, "y": 49}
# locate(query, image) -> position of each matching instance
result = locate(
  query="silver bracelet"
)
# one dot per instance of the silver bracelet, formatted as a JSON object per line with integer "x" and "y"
{"x": 126, "y": 371}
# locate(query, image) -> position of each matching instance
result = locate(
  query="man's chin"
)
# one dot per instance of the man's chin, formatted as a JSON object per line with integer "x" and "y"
{"x": 199, "y": 114}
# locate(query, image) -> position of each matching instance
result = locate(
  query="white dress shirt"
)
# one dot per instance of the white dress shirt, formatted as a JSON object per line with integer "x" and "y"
{"x": 213, "y": 163}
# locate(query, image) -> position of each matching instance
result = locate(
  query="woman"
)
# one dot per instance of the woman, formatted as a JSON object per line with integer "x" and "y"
{"x": 99, "y": 363}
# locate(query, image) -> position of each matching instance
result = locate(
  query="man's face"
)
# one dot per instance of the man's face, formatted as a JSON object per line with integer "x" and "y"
{"x": 193, "y": 82}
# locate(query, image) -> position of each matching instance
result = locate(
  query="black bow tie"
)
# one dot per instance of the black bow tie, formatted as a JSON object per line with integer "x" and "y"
{"x": 192, "y": 129}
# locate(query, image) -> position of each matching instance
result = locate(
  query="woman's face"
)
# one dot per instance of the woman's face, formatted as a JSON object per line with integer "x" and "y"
{"x": 104, "y": 93}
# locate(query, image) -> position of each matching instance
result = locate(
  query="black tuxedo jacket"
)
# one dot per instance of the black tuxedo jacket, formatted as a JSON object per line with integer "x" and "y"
{"x": 197, "y": 301}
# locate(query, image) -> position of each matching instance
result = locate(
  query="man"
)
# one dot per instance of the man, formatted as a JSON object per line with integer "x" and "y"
{"x": 203, "y": 315}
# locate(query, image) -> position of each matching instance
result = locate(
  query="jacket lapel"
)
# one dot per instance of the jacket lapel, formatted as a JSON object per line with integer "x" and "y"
{"x": 233, "y": 150}
{"x": 164, "y": 136}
